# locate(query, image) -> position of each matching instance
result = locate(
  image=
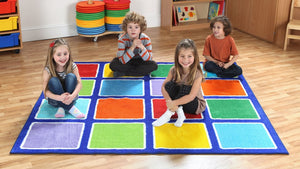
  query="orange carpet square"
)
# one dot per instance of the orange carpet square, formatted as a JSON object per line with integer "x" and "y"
{"x": 223, "y": 88}
{"x": 124, "y": 108}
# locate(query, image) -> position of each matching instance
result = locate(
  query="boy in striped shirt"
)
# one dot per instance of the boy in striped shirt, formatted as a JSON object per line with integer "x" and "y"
{"x": 134, "y": 56}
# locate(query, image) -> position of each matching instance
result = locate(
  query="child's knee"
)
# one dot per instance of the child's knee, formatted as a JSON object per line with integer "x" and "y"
{"x": 209, "y": 66}
{"x": 54, "y": 81}
{"x": 71, "y": 77}
{"x": 239, "y": 71}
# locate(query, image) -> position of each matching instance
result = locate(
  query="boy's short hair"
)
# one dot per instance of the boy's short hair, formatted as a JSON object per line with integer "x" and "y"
{"x": 135, "y": 18}
{"x": 225, "y": 21}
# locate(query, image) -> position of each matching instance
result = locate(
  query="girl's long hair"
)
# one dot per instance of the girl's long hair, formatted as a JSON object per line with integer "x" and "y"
{"x": 50, "y": 63}
{"x": 194, "y": 68}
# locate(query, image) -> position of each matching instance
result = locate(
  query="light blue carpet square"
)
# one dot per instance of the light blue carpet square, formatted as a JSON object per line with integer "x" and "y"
{"x": 243, "y": 136}
{"x": 120, "y": 87}
{"x": 47, "y": 111}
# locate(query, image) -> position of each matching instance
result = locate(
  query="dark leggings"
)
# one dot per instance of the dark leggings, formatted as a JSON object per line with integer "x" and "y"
{"x": 177, "y": 91}
{"x": 58, "y": 87}
{"x": 135, "y": 67}
{"x": 232, "y": 71}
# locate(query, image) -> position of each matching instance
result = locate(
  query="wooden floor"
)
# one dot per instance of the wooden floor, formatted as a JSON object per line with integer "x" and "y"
{"x": 273, "y": 75}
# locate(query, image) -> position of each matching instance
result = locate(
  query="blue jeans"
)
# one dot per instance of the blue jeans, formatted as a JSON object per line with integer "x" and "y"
{"x": 59, "y": 87}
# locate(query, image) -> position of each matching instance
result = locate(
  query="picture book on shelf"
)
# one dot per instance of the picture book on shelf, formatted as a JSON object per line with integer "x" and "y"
{"x": 213, "y": 10}
{"x": 186, "y": 13}
{"x": 175, "y": 22}
{"x": 221, "y": 7}
{"x": 202, "y": 10}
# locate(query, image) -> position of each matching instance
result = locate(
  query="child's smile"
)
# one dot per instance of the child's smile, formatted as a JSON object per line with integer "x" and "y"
{"x": 218, "y": 30}
{"x": 186, "y": 58}
{"x": 61, "y": 56}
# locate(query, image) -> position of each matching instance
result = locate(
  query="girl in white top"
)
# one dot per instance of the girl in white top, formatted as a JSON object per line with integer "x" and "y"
{"x": 61, "y": 80}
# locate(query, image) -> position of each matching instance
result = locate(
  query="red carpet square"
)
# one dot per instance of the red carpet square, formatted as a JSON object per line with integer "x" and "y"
{"x": 159, "y": 107}
{"x": 88, "y": 70}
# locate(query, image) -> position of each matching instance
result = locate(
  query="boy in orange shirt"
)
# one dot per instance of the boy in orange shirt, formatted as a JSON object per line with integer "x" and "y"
{"x": 218, "y": 49}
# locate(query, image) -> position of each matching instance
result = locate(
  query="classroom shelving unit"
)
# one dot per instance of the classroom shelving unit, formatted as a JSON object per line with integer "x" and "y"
{"x": 10, "y": 25}
{"x": 167, "y": 15}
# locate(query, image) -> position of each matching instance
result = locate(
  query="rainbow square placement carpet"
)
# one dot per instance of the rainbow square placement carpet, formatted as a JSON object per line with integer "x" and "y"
{"x": 120, "y": 111}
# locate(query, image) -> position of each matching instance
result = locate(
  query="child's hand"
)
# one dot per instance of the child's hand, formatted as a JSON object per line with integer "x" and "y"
{"x": 220, "y": 64}
{"x": 173, "y": 109}
{"x": 62, "y": 97}
{"x": 226, "y": 65}
{"x": 171, "y": 106}
{"x": 138, "y": 43}
{"x": 68, "y": 99}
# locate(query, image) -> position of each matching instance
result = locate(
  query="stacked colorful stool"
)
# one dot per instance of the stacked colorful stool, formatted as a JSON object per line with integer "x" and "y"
{"x": 90, "y": 17}
{"x": 115, "y": 11}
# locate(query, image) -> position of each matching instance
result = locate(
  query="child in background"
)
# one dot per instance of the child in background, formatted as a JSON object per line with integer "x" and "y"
{"x": 218, "y": 49}
{"x": 134, "y": 56}
{"x": 182, "y": 87}
{"x": 61, "y": 80}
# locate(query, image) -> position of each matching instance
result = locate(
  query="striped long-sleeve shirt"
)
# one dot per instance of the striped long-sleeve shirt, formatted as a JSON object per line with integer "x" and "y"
{"x": 125, "y": 54}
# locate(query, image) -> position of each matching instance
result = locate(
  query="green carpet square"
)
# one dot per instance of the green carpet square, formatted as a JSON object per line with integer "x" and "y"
{"x": 231, "y": 109}
{"x": 87, "y": 87}
{"x": 117, "y": 136}
{"x": 162, "y": 70}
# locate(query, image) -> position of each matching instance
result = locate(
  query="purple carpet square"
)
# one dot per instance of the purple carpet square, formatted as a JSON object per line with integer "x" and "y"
{"x": 156, "y": 87}
{"x": 53, "y": 135}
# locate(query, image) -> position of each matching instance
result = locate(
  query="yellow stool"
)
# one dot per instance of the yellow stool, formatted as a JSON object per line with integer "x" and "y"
{"x": 90, "y": 24}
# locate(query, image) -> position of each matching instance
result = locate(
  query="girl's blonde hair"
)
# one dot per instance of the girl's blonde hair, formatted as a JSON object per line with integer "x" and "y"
{"x": 51, "y": 64}
{"x": 194, "y": 68}
{"x": 133, "y": 17}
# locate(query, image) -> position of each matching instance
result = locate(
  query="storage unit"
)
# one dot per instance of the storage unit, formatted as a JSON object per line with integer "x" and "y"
{"x": 167, "y": 15}
{"x": 9, "y": 40}
{"x": 89, "y": 26}
{"x": 10, "y": 26}
{"x": 7, "y": 7}
{"x": 265, "y": 19}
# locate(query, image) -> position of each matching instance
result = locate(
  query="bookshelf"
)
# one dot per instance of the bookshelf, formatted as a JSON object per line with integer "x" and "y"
{"x": 167, "y": 15}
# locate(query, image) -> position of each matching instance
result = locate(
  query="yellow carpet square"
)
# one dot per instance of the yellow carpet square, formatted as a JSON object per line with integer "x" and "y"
{"x": 107, "y": 72}
{"x": 189, "y": 135}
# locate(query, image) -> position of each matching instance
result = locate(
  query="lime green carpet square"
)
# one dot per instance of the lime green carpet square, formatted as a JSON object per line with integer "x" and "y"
{"x": 117, "y": 136}
{"x": 87, "y": 87}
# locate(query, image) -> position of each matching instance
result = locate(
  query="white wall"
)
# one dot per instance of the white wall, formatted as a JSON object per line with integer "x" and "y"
{"x": 47, "y": 19}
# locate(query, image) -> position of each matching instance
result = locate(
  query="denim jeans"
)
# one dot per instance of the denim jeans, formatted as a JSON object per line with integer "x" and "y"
{"x": 58, "y": 87}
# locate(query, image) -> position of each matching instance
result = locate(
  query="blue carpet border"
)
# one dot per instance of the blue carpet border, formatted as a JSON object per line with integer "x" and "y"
{"x": 148, "y": 120}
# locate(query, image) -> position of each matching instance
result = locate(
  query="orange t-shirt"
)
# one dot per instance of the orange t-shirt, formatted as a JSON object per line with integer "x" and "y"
{"x": 220, "y": 49}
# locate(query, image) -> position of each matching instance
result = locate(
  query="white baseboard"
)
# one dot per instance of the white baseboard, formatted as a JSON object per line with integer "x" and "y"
{"x": 34, "y": 34}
